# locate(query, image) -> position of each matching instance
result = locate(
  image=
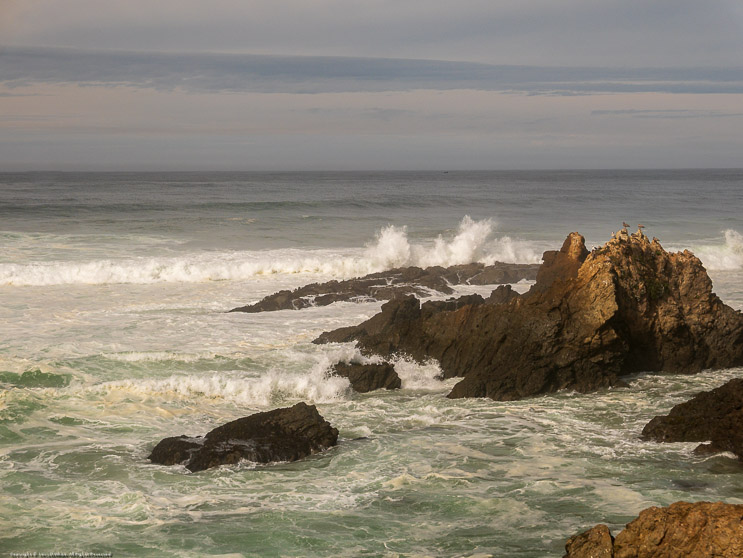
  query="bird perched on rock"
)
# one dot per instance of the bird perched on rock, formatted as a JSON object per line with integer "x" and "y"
{"x": 625, "y": 225}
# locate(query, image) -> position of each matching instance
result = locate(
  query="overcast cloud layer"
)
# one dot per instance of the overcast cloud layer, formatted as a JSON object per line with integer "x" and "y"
{"x": 361, "y": 84}
{"x": 219, "y": 72}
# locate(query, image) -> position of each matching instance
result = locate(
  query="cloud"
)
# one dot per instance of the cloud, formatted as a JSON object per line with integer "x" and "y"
{"x": 217, "y": 72}
{"x": 538, "y": 32}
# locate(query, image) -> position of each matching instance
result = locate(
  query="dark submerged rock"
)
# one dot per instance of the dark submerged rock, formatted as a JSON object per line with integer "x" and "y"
{"x": 394, "y": 283}
{"x": 369, "y": 377}
{"x": 284, "y": 434}
{"x": 702, "y": 529}
{"x": 626, "y": 307}
{"x": 714, "y": 416}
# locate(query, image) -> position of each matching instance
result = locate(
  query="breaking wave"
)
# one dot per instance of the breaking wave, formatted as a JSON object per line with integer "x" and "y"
{"x": 725, "y": 257}
{"x": 474, "y": 241}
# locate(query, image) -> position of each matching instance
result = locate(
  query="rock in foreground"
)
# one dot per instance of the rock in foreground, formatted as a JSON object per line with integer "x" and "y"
{"x": 713, "y": 416}
{"x": 591, "y": 318}
{"x": 369, "y": 377}
{"x": 702, "y": 529}
{"x": 280, "y": 435}
{"x": 394, "y": 283}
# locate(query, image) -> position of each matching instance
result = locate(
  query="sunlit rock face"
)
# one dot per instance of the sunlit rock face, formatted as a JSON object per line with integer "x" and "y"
{"x": 592, "y": 317}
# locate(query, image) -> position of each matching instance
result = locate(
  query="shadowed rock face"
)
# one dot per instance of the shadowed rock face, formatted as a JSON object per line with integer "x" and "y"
{"x": 711, "y": 416}
{"x": 280, "y": 435}
{"x": 702, "y": 529}
{"x": 626, "y": 307}
{"x": 369, "y": 377}
{"x": 395, "y": 283}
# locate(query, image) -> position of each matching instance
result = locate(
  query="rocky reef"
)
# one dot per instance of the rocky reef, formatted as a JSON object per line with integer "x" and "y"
{"x": 284, "y": 434}
{"x": 681, "y": 529}
{"x": 715, "y": 417}
{"x": 629, "y": 306}
{"x": 392, "y": 284}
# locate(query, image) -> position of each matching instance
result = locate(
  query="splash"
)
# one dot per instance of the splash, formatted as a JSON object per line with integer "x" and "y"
{"x": 725, "y": 257}
{"x": 474, "y": 241}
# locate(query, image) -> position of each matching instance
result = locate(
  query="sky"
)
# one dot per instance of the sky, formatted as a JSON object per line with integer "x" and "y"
{"x": 370, "y": 85}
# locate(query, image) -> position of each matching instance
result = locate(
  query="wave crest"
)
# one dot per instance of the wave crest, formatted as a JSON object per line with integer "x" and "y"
{"x": 474, "y": 241}
{"x": 725, "y": 257}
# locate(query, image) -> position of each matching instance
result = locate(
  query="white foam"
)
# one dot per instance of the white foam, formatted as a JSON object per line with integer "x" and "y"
{"x": 157, "y": 356}
{"x": 723, "y": 257}
{"x": 417, "y": 376}
{"x": 269, "y": 388}
{"x": 473, "y": 241}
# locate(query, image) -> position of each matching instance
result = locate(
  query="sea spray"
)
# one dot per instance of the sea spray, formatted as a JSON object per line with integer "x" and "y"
{"x": 473, "y": 242}
{"x": 727, "y": 256}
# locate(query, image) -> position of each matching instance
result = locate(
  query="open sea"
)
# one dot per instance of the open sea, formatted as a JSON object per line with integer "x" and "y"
{"x": 113, "y": 335}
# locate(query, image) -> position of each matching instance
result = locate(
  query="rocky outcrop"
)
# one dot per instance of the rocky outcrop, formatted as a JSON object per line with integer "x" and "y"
{"x": 702, "y": 529}
{"x": 715, "y": 417}
{"x": 369, "y": 377}
{"x": 280, "y": 435}
{"x": 597, "y": 542}
{"x": 394, "y": 283}
{"x": 591, "y": 318}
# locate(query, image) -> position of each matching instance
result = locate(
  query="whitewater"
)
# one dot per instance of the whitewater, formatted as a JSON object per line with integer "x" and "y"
{"x": 114, "y": 333}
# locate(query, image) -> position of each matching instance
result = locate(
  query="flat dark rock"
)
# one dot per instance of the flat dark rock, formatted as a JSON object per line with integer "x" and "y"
{"x": 284, "y": 434}
{"x": 369, "y": 377}
{"x": 715, "y": 417}
{"x": 394, "y": 283}
{"x": 591, "y": 318}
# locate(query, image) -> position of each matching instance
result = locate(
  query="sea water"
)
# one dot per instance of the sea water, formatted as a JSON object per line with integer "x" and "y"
{"x": 114, "y": 334}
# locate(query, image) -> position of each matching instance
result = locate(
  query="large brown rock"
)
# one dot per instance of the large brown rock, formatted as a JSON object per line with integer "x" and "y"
{"x": 597, "y": 542}
{"x": 394, "y": 283}
{"x": 714, "y": 416}
{"x": 702, "y": 529}
{"x": 626, "y": 307}
{"x": 280, "y": 435}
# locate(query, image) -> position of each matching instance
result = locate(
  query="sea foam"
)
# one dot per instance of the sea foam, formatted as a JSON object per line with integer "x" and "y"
{"x": 271, "y": 388}
{"x": 474, "y": 241}
{"x": 723, "y": 257}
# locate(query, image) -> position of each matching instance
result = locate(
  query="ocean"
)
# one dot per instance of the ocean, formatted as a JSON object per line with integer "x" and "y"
{"x": 114, "y": 334}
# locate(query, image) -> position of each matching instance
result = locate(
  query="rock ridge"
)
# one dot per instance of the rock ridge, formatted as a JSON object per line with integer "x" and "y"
{"x": 592, "y": 317}
{"x": 387, "y": 285}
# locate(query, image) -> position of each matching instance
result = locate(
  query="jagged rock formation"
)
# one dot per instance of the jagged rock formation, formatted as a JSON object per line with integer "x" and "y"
{"x": 280, "y": 435}
{"x": 626, "y": 307}
{"x": 597, "y": 542}
{"x": 702, "y": 529}
{"x": 714, "y": 416}
{"x": 369, "y": 377}
{"x": 392, "y": 284}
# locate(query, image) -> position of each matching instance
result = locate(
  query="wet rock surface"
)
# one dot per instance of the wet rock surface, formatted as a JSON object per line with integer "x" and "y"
{"x": 591, "y": 318}
{"x": 701, "y": 529}
{"x": 714, "y": 417}
{"x": 369, "y": 377}
{"x": 394, "y": 283}
{"x": 284, "y": 434}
